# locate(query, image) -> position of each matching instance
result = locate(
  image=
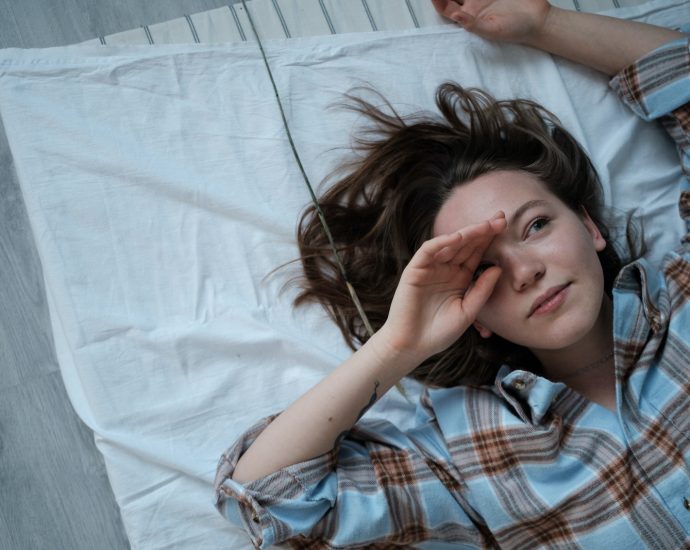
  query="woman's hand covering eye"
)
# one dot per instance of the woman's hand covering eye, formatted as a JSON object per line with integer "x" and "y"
{"x": 438, "y": 297}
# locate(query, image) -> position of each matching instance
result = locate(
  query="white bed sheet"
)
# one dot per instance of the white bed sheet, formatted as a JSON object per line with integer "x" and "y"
{"x": 161, "y": 191}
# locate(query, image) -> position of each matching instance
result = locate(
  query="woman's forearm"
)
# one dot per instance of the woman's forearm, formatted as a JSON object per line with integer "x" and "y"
{"x": 605, "y": 43}
{"x": 313, "y": 424}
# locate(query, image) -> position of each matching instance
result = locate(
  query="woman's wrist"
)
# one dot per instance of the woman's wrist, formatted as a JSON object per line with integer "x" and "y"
{"x": 390, "y": 348}
{"x": 607, "y": 44}
{"x": 315, "y": 422}
{"x": 541, "y": 37}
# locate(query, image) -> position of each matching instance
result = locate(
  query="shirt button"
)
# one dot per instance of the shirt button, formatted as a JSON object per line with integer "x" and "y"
{"x": 256, "y": 519}
{"x": 686, "y": 502}
{"x": 519, "y": 384}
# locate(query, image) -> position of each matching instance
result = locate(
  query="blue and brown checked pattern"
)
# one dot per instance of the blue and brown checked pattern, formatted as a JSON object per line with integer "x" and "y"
{"x": 526, "y": 463}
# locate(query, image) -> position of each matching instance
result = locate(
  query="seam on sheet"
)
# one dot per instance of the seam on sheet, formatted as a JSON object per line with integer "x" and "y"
{"x": 237, "y": 23}
{"x": 276, "y": 7}
{"x": 327, "y": 16}
{"x": 369, "y": 15}
{"x": 192, "y": 29}
{"x": 412, "y": 14}
{"x": 148, "y": 33}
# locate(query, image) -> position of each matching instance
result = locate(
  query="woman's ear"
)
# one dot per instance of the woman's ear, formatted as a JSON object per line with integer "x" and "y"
{"x": 593, "y": 230}
{"x": 482, "y": 330}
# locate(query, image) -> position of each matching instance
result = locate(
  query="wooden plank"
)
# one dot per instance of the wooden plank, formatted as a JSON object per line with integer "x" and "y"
{"x": 55, "y": 493}
{"x": 38, "y": 22}
{"x": 26, "y": 344}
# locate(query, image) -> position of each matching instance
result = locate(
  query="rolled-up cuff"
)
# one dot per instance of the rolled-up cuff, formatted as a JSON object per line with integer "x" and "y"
{"x": 270, "y": 508}
{"x": 657, "y": 83}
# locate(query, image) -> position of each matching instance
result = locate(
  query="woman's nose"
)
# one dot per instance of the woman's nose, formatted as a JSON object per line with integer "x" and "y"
{"x": 525, "y": 270}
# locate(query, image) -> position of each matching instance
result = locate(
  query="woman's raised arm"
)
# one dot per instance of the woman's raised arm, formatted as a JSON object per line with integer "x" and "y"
{"x": 604, "y": 43}
{"x": 431, "y": 309}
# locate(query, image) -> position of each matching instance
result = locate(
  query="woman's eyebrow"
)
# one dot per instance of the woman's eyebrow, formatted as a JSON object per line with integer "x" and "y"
{"x": 525, "y": 207}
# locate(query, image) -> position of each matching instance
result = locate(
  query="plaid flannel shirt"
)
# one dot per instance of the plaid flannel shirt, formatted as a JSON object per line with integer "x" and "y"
{"x": 527, "y": 463}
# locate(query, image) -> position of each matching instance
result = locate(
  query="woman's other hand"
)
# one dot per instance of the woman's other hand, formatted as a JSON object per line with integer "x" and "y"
{"x": 607, "y": 44}
{"x": 505, "y": 20}
{"x": 437, "y": 297}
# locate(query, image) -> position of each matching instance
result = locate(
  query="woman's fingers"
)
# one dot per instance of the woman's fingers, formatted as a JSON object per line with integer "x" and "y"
{"x": 474, "y": 241}
{"x": 442, "y": 245}
{"x": 459, "y": 11}
{"x": 479, "y": 293}
{"x": 446, "y": 8}
{"x": 446, "y": 250}
{"x": 472, "y": 252}
{"x": 451, "y": 260}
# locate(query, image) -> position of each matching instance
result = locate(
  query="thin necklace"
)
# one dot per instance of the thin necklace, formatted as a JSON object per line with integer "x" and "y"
{"x": 589, "y": 367}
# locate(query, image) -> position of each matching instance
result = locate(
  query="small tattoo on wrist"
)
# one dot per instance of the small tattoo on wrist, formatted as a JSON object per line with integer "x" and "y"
{"x": 372, "y": 400}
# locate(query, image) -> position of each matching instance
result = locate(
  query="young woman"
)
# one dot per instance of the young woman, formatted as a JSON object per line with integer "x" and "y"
{"x": 556, "y": 414}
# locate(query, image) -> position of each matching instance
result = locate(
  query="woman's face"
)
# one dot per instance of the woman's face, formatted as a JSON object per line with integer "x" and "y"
{"x": 550, "y": 291}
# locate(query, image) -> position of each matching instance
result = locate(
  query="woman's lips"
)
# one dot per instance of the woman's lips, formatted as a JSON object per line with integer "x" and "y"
{"x": 550, "y": 301}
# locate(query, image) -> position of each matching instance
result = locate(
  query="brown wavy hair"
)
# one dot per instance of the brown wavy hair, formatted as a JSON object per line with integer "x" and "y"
{"x": 382, "y": 206}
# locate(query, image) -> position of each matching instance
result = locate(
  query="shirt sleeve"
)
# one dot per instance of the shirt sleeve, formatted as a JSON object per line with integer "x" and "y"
{"x": 657, "y": 86}
{"x": 381, "y": 488}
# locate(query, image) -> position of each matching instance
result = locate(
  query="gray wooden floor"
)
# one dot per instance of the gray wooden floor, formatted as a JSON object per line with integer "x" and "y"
{"x": 54, "y": 492}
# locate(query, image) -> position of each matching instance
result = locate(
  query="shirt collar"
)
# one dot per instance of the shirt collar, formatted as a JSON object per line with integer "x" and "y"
{"x": 640, "y": 285}
{"x": 530, "y": 396}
